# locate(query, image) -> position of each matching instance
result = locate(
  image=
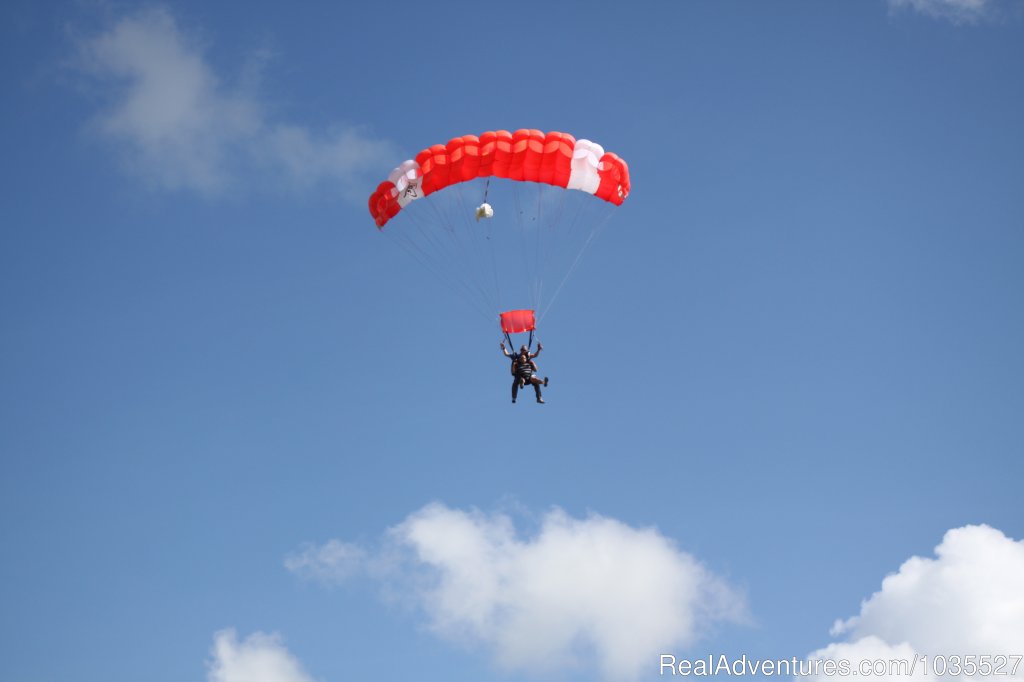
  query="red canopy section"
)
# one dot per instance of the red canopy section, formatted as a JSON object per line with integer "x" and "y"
{"x": 516, "y": 321}
{"x": 527, "y": 155}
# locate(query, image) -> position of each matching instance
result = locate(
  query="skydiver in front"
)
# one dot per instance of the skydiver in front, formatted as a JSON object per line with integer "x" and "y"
{"x": 524, "y": 371}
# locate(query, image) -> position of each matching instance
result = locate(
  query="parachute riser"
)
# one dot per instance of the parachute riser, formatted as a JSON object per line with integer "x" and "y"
{"x": 529, "y": 343}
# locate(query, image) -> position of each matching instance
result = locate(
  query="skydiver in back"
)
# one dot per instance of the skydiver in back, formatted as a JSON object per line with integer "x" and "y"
{"x": 529, "y": 356}
{"x": 524, "y": 371}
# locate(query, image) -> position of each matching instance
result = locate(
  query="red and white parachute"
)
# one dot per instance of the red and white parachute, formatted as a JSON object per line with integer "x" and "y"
{"x": 534, "y": 228}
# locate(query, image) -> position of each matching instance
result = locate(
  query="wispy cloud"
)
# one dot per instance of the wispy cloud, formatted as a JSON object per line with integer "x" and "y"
{"x": 956, "y": 11}
{"x": 332, "y": 562}
{"x": 180, "y": 125}
{"x": 258, "y": 658}
{"x": 578, "y": 590}
{"x": 968, "y": 599}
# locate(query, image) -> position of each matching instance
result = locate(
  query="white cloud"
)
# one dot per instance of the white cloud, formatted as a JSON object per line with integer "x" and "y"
{"x": 969, "y": 599}
{"x": 578, "y": 591}
{"x": 332, "y": 562}
{"x": 259, "y": 658}
{"x": 181, "y": 126}
{"x": 956, "y": 11}
{"x": 871, "y": 652}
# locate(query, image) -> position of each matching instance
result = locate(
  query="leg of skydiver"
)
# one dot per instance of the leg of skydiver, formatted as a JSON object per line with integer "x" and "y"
{"x": 515, "y": 388}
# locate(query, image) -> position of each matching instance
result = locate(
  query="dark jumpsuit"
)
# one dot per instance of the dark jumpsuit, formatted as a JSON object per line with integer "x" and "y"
{"x": 522, "y": 372}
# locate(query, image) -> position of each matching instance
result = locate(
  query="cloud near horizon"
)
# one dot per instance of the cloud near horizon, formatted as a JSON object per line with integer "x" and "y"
{"x": 180, "y": 126}
{"x": 597, "y": 589}
{"x": 577, "y": 590}
{"x": 258, "y": 658}
{"x": 969, "y": 599}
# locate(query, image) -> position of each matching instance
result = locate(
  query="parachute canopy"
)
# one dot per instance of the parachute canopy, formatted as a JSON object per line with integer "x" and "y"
{"x": 507, "y": 216}
{"x": 552, "y": 158}
{"x": 517, "y": 321}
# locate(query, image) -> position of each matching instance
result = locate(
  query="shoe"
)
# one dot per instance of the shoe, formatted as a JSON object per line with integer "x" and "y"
{"x": 540, "y": 400}
{"x": 513, "y": 401}
{"x": 545, "y": 381}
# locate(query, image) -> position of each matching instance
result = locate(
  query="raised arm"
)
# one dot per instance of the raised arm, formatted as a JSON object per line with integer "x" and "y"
{"x": 540, "y": 347}
{"x": 504, "y": 351}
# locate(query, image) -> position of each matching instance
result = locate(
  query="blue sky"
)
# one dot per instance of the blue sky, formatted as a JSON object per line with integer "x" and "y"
{"x": 245, "y": 437}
